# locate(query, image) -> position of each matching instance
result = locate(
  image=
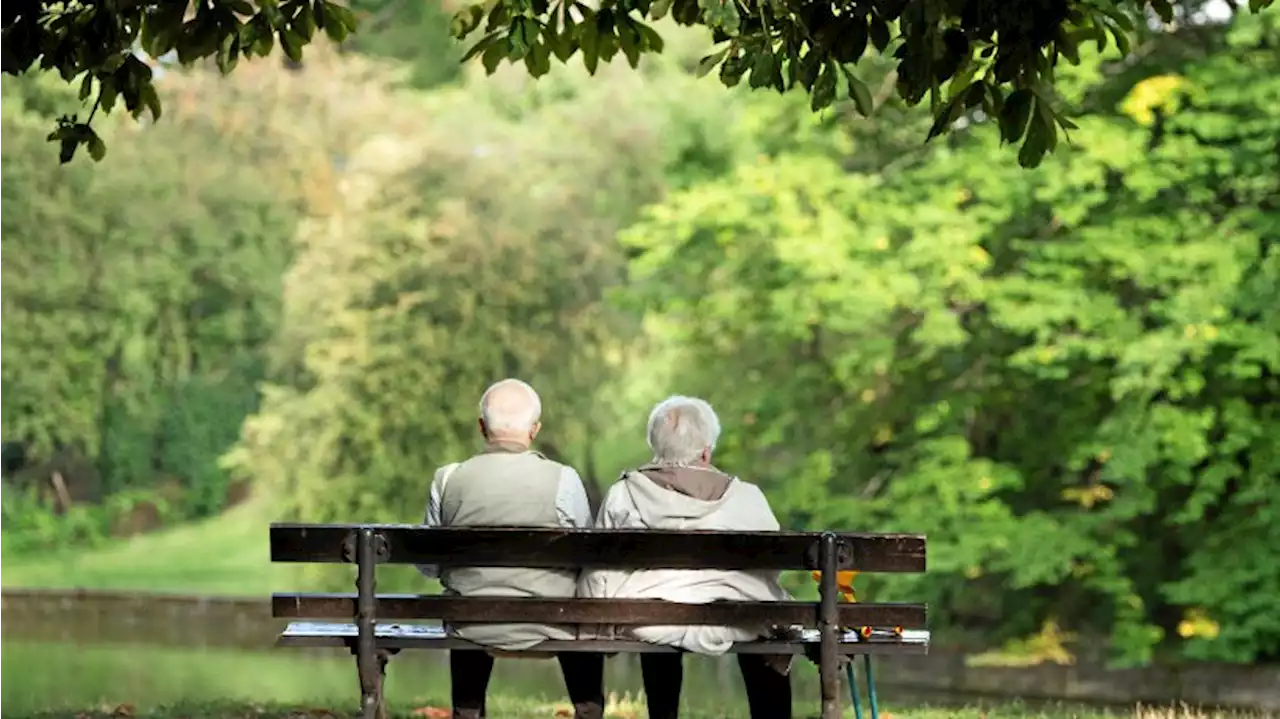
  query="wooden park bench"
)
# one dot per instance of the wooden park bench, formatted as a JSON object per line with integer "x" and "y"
{"x": 370, "y": 622}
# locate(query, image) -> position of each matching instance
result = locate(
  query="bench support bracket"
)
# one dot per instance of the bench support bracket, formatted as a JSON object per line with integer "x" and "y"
{"x": 370, "y": 666}
{"x": 828, "y": 626}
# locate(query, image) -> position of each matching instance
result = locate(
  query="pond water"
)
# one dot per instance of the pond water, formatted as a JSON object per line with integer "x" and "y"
{"x": 80, "y": 652}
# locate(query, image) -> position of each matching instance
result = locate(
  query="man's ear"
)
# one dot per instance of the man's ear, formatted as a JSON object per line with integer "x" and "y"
{"x": 484, "y": 431}
{"x": 533, "y": 431}
{"x": 706, "y": 455}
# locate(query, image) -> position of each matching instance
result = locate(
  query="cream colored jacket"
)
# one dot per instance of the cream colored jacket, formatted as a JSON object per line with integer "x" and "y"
{"x": 637, "y": 502}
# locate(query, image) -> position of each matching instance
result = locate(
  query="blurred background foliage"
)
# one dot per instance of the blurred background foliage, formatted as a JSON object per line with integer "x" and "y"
{"x": 295, "y": 287}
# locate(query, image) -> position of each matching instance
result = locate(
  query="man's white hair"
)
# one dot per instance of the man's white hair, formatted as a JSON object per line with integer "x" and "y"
{"x": 680, "y": 428}
{"x": 510, "y": 412}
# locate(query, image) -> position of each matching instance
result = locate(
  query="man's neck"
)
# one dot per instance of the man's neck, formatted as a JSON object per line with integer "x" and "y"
{"x": 510, "y": 445}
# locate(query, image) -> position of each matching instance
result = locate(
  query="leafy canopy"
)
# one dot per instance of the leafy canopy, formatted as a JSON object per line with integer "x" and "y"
{"x": 993, "y": 56}
{"x": 1068, "y": 378}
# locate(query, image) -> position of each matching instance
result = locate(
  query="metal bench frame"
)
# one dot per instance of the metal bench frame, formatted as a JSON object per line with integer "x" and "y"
{"x": 817, "y": 630}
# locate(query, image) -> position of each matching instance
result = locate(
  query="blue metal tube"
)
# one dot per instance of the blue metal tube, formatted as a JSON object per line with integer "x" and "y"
{"x": 871, "y": 687}
{"x": 853, "y": 691}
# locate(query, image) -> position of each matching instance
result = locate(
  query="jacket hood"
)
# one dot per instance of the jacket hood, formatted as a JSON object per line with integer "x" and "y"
{"x": 677, "y": 493}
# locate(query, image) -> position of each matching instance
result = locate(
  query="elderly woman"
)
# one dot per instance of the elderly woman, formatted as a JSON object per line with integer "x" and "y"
{"x": 680, "y": 489}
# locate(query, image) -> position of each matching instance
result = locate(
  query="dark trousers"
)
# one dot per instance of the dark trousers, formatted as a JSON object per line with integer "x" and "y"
{"x": 469, "y": 671}
{"x": 768, "y": 691}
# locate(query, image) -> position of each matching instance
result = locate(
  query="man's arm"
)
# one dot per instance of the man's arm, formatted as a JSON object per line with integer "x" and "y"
{"x": 573, "y": 509}
{"x": 432, "y": 518}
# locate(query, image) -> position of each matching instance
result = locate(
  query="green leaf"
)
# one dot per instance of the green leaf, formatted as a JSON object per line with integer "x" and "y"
{"x": 107, "y": 93}
{"x": 708, "y": 63}
{"x": 650, "y": 39}
{"x": 67, "y": 149}
{"x": 589, "y": 41}
{"x": 344, "y": 15}
{"x": 879, "y": 31}
{"x": 1013, "y": 119}
{"x": 659, "y": 9}
{"x": 762, "y": 69}
{"x": 151, "y": 100}
{"x": 305, "y": 23}
{"x": 493, "y": 56}
{"x": 629, "y": 41}
{"x": 853, "y": 40}
{"x": 97, "y": 148}
{"x": 538, "y": 60}
{"x": 946, "y": 115}
{"x": 1122, "y": 41}
{"x": 228, "y": 53}
{"x": 460, "y": 24}
{"x": 732, "y": 68}
{"x": 1164, "y": 9}
{"x": 1036, "y": 144}
{"x": 1046, "y": 116}
{"x": 480, "y": 46}
{"x": 824, "y": 89}
{"x": 860, "y": 94}
{"x": 1066, "y": 45}
{"x": 519, "y": 38}
{"x": 721, "y": 14}
{"x": 265, "y": 40}
{"x": 1119, "y": 18}
{"x": 291, "y": 44}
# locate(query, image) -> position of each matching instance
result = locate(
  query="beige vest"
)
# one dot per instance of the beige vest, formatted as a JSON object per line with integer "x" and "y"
{"x": 505, "y": 487}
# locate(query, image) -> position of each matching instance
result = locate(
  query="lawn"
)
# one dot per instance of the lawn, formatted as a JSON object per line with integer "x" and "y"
{"x": 619, "y": 708}
{"x": 227, "y": 554}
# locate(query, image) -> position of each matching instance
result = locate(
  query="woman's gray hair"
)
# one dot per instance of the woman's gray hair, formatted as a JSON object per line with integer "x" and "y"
{"x": 680, "y": 428}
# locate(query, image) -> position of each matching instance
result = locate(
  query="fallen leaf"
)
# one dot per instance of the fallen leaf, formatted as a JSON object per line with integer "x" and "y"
{"x": 123, "y": 710}
{"x": 432, "y": 713}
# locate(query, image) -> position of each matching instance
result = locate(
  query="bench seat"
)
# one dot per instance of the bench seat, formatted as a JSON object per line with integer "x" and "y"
{"x": 433, "y": 636}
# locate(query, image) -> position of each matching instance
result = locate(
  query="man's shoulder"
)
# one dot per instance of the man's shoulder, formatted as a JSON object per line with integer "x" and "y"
{"x": 444, "y": 472}
{"x": 564, "y": 469}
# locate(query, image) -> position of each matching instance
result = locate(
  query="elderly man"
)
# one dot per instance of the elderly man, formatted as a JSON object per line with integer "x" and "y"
{"x": 680, "y": 489}
{"x": 509, "y": 484}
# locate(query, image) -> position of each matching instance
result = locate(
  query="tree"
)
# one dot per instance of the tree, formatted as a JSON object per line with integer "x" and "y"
{"x": 444, "y": 267}
{"x": 967, "y": 56}
{"x": 1069, "y": 378}
{"x": 142, "y": 295}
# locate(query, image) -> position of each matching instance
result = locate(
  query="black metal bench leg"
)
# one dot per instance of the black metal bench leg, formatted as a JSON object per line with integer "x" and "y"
{"x": 828, "y": 626}
{"x": 383, "y": 658}
{"x": 369, "y": 665}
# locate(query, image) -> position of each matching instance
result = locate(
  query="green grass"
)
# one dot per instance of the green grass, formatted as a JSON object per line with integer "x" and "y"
{"x": 619, "y": 709}
{"x": 227, "y": 554}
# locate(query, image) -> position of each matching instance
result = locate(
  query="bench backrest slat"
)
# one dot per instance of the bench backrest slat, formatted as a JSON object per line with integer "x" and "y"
{"x": 592, "y": 611}
{"x": 608, "y": 549}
